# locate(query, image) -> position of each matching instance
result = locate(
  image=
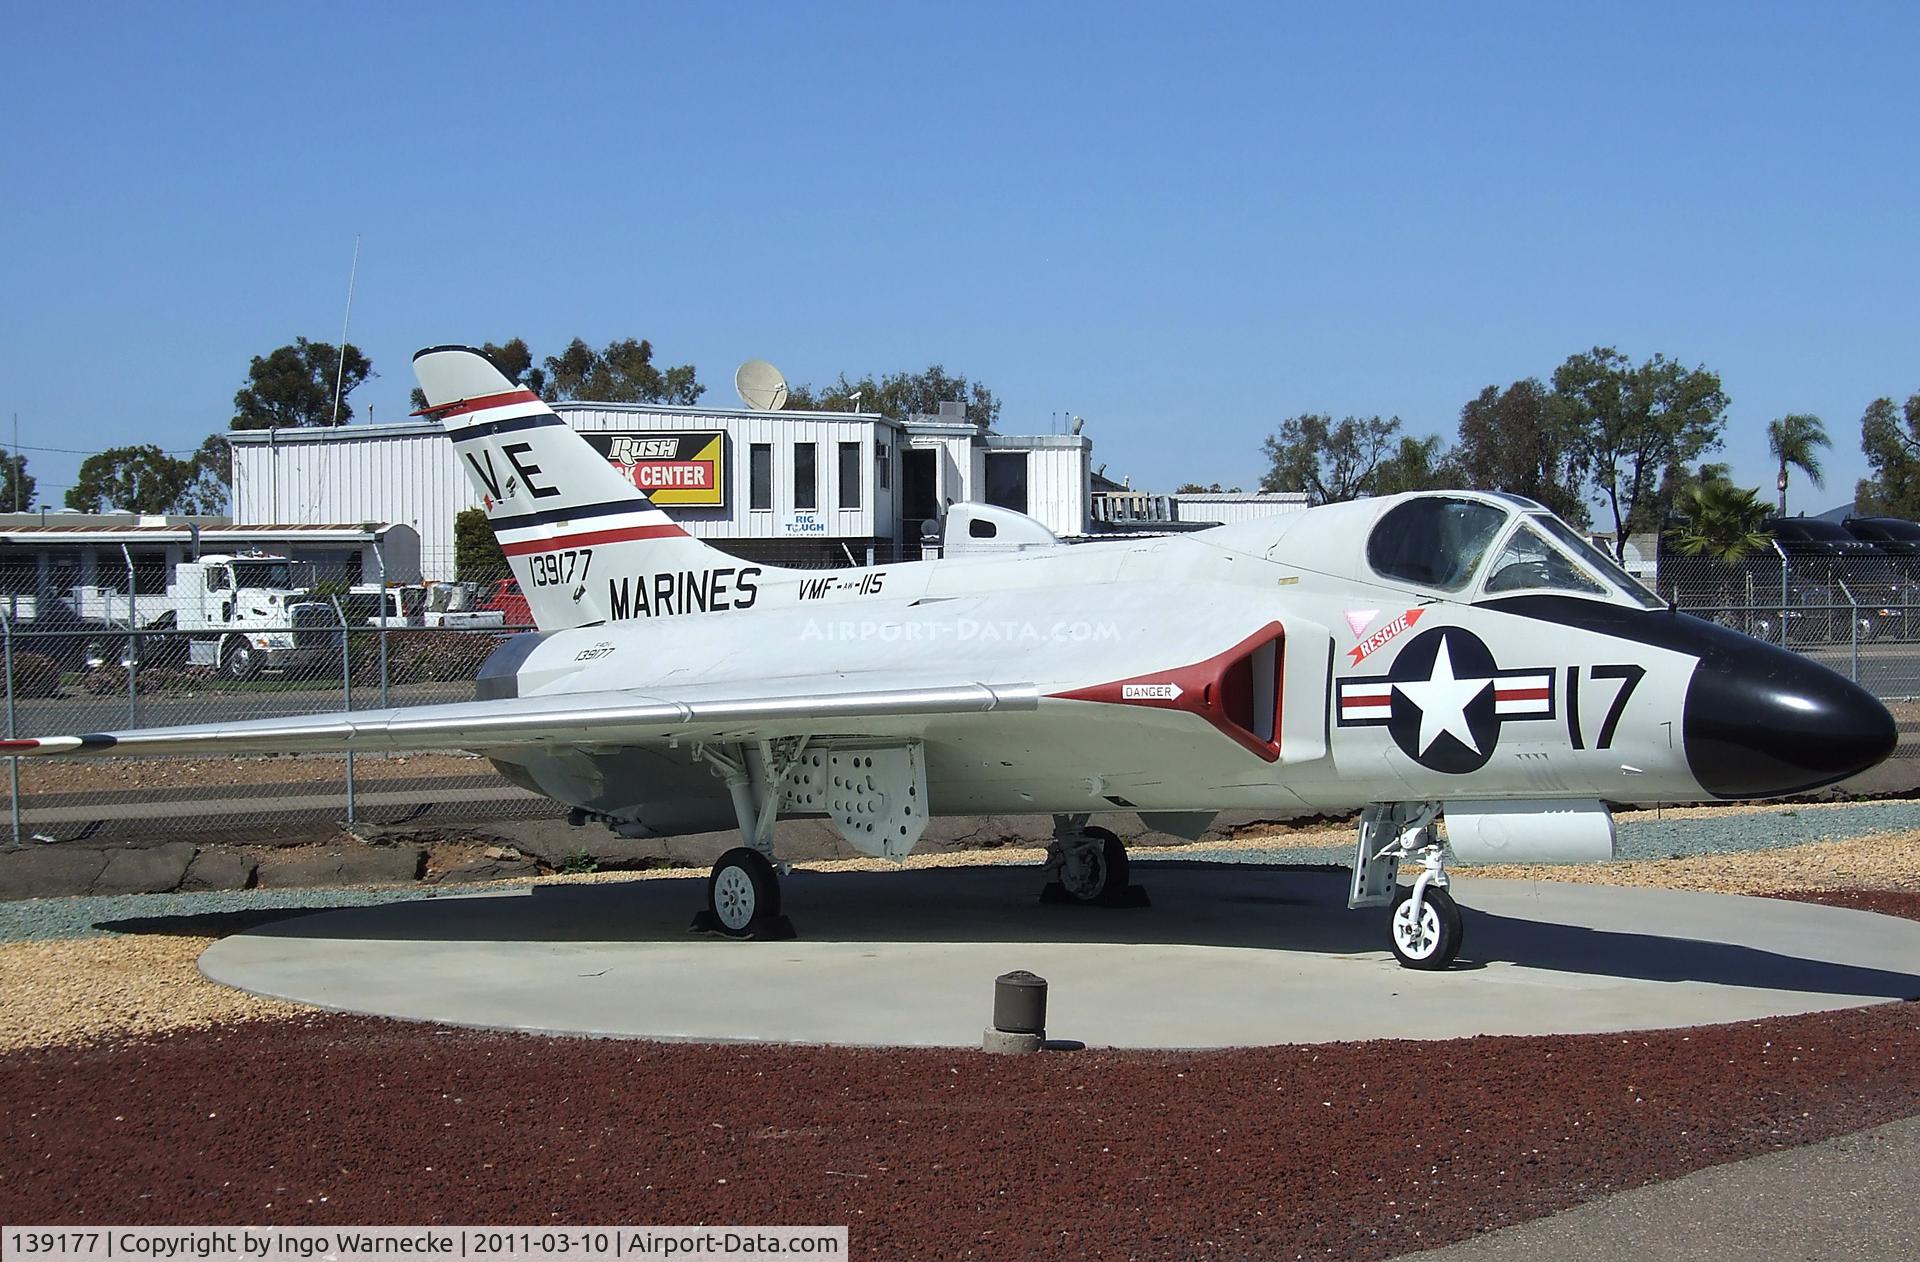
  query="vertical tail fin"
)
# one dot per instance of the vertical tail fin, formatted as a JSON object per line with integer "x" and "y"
{"x": 580, "y": 537}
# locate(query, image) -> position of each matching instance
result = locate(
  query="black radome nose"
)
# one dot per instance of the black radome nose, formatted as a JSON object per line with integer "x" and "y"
{"x": 1764, "y": 721}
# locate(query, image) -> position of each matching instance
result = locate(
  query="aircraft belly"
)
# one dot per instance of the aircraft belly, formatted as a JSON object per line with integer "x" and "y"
{"x": 1080, "y": 760}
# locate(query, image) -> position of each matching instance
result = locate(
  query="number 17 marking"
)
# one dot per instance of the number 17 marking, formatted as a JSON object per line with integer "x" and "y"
{"x": 1629, "y": 676}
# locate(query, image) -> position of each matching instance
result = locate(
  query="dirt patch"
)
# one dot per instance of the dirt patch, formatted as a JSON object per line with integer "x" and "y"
{"x": 1355, "y": 1151}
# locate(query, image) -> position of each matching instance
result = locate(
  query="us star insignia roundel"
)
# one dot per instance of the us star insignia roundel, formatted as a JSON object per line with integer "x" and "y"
{"x": 1444, "y": 699}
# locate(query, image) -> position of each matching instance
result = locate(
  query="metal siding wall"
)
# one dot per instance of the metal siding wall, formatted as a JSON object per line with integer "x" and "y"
{"x": 415, "y": 479}
{"x": 1232, "y": 512}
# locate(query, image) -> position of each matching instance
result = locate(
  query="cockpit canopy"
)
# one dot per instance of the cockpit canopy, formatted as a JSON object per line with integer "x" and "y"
{"x": 1498, "y": 545}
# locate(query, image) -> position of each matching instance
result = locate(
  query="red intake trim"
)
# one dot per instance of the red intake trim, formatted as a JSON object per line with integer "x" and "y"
{"x": 591, "y": 539}
{"x": 1219, "y": 690}
{"x": 463, "y": 406}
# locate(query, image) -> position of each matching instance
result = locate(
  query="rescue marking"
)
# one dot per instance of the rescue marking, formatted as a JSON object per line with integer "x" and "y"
{"x": 1382, "y": 637}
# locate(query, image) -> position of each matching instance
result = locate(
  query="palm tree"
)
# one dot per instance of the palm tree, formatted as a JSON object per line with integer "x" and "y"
{"x": 1722, "y": 521}
{"x": 1795, "y": 440}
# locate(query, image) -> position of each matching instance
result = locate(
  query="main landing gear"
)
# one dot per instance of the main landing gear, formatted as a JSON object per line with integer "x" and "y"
{"x": 1088, "y": 866}
{"x": 743, "y": 890}
{"x": 1423, "y": 926}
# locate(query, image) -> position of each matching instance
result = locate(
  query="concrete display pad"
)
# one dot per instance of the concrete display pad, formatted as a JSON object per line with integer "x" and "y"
{"x": 1227, "y": 955}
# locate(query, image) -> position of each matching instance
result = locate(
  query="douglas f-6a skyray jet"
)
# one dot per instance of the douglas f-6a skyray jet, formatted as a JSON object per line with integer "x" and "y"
{"x": 1413, "y": 657}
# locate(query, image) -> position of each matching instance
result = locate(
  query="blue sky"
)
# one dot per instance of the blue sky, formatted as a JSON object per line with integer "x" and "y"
{"x": 1183, "y": 223}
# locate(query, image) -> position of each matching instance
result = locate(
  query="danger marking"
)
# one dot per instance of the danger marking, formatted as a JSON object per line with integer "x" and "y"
{"x": 1150, "y": 692}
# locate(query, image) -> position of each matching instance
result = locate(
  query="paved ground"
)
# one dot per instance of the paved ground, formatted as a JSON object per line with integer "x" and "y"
{"x": 1226, "y": 956}
{"x": 1851, "y": 1197}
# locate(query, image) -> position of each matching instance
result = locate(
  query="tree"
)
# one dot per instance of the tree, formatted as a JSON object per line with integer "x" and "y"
{"x": 477, "y": 557}
{"x": 1795, "y": 440}
{"x": 140, "y": 479}
{"x": 622, "y": 373}
{"x": 900, "y": 395}
{"x": 1417, "y": 464}
{"x": 1524, "y": 440}
{"x": 1213, "y": 488}
{"x": 16, "y": 484}
{"x": 512, "y": 358}
{"x": 211, "y": 482}
{"x": 1720, "y": 520}
{"x": 294, "y": 386}
{"x": 1330, "y": 462}
{"x": 1890, "y": 439}
{"x": 1634, "y": 425}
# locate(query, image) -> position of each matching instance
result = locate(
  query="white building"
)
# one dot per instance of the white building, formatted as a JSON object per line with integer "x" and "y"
{"x": 48, "y": 555}
{"x": 1228, "y": 507}
{"x": 775, "y": 486}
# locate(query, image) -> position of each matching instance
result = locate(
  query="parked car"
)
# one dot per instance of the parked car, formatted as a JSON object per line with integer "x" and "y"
{"x": 505, "y": 596}
{"x": 1881, "y": 580}
{"x": 1897, "y": 538}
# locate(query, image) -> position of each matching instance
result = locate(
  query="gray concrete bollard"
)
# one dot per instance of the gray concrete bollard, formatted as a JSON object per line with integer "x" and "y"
{"x": 1019, "y": 1013}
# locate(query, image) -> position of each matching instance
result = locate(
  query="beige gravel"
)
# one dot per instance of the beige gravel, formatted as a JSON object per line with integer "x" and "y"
{"x": 77, "y": 990}
{"x": 1881, "y": 861}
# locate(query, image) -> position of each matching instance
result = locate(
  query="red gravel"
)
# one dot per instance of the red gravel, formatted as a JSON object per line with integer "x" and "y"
{"x": 1887, "y": 902}
{"x": 1352, "y": 1150}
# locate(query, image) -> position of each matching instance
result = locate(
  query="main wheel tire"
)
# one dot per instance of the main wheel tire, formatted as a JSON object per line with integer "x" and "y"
{"x": 743, "y": 892}
{"x": 1111, "y": 875}
{"x": 238, "y": 660}
{"x": 1434, "y": 942}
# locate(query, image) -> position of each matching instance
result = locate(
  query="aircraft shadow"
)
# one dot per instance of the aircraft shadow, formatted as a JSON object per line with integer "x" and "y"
{"x": 1271, "y": 907}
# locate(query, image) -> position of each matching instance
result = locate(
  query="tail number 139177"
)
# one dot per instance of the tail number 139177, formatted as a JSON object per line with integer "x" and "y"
{"x": 556, "y": 569}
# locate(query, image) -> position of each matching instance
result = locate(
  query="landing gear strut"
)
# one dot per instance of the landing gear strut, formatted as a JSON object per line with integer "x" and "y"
{"x": 1088, "y": 866}
{"x": 1424, "y": 926}
{"x": 743, "y": 890}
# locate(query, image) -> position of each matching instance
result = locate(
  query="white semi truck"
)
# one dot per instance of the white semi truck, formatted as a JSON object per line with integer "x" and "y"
{"x": 242, "y": 613}
{"x": 449, "y": 605}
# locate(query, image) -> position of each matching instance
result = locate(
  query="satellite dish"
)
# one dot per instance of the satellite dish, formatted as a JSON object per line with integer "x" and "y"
{"x": 761, "y": 386}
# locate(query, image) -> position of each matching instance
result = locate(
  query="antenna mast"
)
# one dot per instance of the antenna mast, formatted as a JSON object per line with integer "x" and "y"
{"x": 340, "y": 370}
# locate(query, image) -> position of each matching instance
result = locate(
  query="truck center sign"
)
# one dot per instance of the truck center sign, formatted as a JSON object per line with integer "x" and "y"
{"x": 671, "y": 467}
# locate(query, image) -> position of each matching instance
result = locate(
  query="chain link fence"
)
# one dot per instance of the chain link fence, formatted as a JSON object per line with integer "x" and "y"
{"x": 195, "y": 645}
{"x": 1859, "y": 615}
{"x": 97, "y": 662}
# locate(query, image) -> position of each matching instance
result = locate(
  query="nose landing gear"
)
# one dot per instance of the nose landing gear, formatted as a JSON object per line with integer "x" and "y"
{"x": 1423, "y": 925}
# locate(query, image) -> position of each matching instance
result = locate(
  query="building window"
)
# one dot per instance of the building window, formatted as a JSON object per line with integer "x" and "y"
{"x": 1007, "y": 479}
{"x": 806, "y": 477}
{"x": 849, "y": 475}
{"x": 882, "y": 466}
{"x": 760, "y": 476}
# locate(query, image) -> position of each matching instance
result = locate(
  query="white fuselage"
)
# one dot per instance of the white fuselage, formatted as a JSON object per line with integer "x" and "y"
{"x": 1075, "y": 618}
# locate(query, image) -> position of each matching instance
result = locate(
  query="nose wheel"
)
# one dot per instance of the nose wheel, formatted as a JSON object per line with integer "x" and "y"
{"x": 1425, "y": 934}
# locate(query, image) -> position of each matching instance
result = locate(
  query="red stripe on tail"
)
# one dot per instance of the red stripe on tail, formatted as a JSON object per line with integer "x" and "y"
{"x": 591, "y": 538}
